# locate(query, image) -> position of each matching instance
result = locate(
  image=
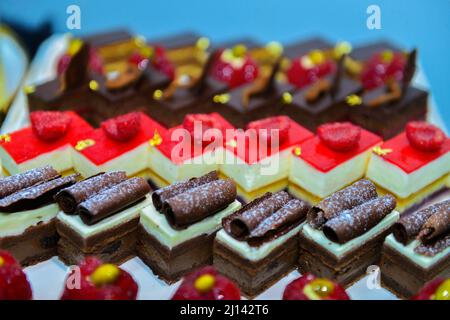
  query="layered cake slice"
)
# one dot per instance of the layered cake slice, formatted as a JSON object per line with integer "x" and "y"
{"x": 99, "y": 217}
{"x": 191, "y": 149}
{"x": 258, "y": 244}
{"x": 122, "y": 143}
{"x": 258, "y": 159}
{"x": 414, "y": 165}
{"x": 48, "y": 141}
{"x": 337, "y": 156}
{"x": 418, "y": 250}
{"x": 28, "y": 213}
{"x": 345, "y": 233}
{"x": 176, "y": 233}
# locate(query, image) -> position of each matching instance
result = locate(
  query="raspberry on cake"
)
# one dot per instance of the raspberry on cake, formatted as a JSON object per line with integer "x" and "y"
{"x": 345, "y": 233}
{"x": 100, "y": 281}
{"x": 418, "y": 250}
{"x": 48, "y": 141}
{"x": 334, "y": 158}
{"x": 13, "y": 281}
{"x": 99, "y": 216}
{"x": 309, "y": 287}
{"x": 207, "y": 284}
{"x": 176, "y": 233}
{"x": 28, "y": 213}
{"x": 122, "y": 143}
{"x": 414, "y": 165}
{"x": 258, "y": 244}
{"x": 191, "y": 149}
{"x": 438, "y": 289}
{"x": 258, "y": 159}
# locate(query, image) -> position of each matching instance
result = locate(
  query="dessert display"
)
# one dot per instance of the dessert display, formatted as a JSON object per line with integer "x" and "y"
{"x": 345, "y": 233}
{"x": 258, "y": 244}
{"x": 207, "y": 284}
{"x": 438, "y": 289}
{"x": 258, "y": 159}
{"x": 191, "y": 149}
{"x": 121, "y": 143}
{"x": 336, "y": 157}
{"x": 176, "y": 232}
{"x": 28, "y": 213}
{"x": 309, "y": 287}
{"x": 100, "y": 281}
{"x": 413, "y": 166}
{"x": 49, "y": 140}
{"x": 99, "y": 217}
{"x": 14, "y": 284}
{"x": 418, "y": 250}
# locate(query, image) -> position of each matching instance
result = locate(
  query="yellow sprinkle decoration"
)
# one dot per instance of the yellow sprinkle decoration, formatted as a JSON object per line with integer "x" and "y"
{"x": 29, "y": 89}
{"x": 2, "y": 261}
{"x": 74, "y": 46}
{"x": 232, "y": 143}
{"x": 317, "y": 57}
{"x": 239, "y": 50}
{"x": 202, "y": 43}
{"x": 286, "y": 98}
{"x": 139, "y": 41}
{"x": 274, "y": 48}
{"x": 353, "y": 100}
{"x": 5, "y": 138}
{"x": 221, "y": 98}
{"x": 298, "y": 151}
{"x": 93, "y": 85}
{"x": 341, "y": 48}
{"x": 83, "y": 144}
{"x": 146, "y": 51}
{"x": 205, "y": 283}
{"x": 157, "y": 94}
{"x": 105, "y": 274}
{"x": 380, "y": 151}
{"x": 156, "y": 140}
{"x": 387, "y": 56}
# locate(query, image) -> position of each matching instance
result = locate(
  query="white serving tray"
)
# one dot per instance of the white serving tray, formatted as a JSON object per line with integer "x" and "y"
{"x": 47, "y": 278}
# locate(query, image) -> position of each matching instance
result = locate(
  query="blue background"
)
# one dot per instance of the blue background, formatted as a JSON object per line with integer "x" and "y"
{"x": 425, "y": 24}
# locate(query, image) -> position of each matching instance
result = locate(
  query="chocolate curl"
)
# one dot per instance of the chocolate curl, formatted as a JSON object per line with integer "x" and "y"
{"x": 17, "y": 182}
{"x": 112, "y": 200}
{"x": 394, "y": 92}
{"x": 337, "y": 79}
{"x": 409, "y": 70}
{"x": 354, "y": 195}
{"x": 433, "y": 248}
{"x": 35, "y": 196}
{"x": 293, "y": 211}
{"x": 409, "y": 225}
{"x": 68, "y": 199}
{"x": 163, "y": 194}
{"x": 245, "y": 220}
{"x": 437, "y": 224}
{"x": 355, "y": 222}
{"x": 76, "y": 73}
{"x": 198, "y": 203}
{"x": 199, "y": 85}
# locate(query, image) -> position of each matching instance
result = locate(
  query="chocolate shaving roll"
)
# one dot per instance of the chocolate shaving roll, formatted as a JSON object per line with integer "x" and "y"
{"x": 20, "y": 181}
{"x": 245, "y": 220}
{"x": 112, "y": 200}
{"x": 436, "y": 224}
{"x": 68, "y": 199}
{"x": 408, "y": 226}
{"x": 354, "y": 222}
{"x": 345, "y": 199}
{"x": 433, "y": 248}
{"x": 293, "y": 211}
{"x": 161, "y": 195}
{"x": 35, "y": 196}
{"x": 198, "y": 203}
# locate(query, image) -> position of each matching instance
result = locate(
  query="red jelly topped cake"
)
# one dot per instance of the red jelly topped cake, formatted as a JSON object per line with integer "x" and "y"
{"x": 48, "y": 141}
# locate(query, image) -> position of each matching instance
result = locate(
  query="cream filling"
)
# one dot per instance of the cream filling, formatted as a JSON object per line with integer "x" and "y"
{"x": 419, "y": 259}
{"x": 195, "y": 167}
{"x": 60, "y": 159}
{"x": 255, "y": 253}
{"x": 339, "y": 250}
{"x": 323, "y": 184}
{"x": 13, "y": 224}
{"x": 254, "y": 176}
{"x": 131, "y": 162}
{"x": 75, "y": 223}
{"x": 157, "y": 225}
{"x": 394, "y": 179}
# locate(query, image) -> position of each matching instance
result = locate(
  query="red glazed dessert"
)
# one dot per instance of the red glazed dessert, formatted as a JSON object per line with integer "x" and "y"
{"x": 309, "y": 287}
{"x": 438, "y": 289}
{"x": 13, "y": 281}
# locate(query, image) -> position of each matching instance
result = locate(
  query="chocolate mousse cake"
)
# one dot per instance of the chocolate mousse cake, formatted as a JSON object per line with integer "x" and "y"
{"x": 418, "y": 250}
{"x": 258, "y": 244}
{"x": 345, "y": 233}
{"x": 176, "y": 232}
{"x": 99, "y": 217}
{"x": 28, "y": 213}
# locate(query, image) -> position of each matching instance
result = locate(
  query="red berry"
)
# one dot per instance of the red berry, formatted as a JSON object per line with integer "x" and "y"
{"x": 381, "y": 67}
{"x": 235, "y": 76}
{"x": 296, "y": 289}
{"x": 424, "y": 136}
{"x": 95, "y": 61}
{"x": 339, "y": 136}
{"x": 124, "y": 127}
{"x": 50, "y": 125}
{"x": 207, "y": 122}
{"x": 13, "y": 281}
{"x": 162, "y": 63}
{"x": 221, "y": 288}
{"x": 300, "y": 75}
{"x": 265, "y": 128}
{"x": 428, "y": 291}
{"x": 63, "y": 63}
